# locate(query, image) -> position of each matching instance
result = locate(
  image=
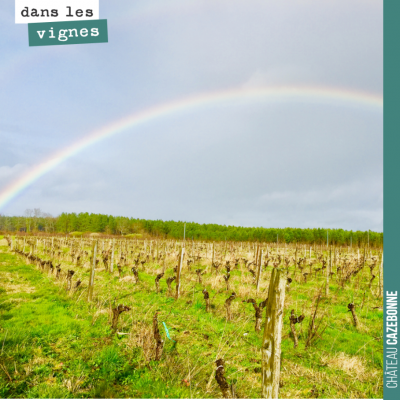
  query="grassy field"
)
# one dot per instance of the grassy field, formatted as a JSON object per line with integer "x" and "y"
{"x": 55, "y": 344}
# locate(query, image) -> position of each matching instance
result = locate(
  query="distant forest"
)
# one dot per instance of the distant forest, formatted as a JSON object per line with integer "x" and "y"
{"x": 37, "y": 221}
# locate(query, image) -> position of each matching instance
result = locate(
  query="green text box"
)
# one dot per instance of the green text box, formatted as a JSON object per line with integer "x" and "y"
{"x": 68, "y": 32}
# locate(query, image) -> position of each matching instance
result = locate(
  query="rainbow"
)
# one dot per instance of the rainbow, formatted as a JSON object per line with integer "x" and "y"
{"x": 274, "y": 94}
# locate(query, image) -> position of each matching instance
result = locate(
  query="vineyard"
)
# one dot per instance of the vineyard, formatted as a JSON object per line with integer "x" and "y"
{"x": 84, "y": 317}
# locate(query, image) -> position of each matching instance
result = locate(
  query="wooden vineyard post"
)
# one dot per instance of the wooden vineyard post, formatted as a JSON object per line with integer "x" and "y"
{"x": 165, "y": 257}
{"x": 363, "y": 260}
{"x": 93, "y": 267}
{"x": 257, "y": 254}
{"x": 271, "y": 346}
{"x": 259, "y": 269}
{"x": 334, "y": 258}
{"x": 328, "y": 268}
{"x": 178, "y": 272}
{"x": 112, "y": 257}
{"x": 213, "y": 252}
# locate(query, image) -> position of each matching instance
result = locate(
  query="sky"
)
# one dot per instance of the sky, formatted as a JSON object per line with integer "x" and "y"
{"x": 271, "y": 161}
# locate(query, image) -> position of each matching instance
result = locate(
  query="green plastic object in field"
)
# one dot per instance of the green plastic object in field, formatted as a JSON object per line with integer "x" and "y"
{"x": 167, "y": 332}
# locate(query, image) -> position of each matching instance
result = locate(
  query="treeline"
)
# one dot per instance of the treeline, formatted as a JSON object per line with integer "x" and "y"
{"x": 108, "y": 224}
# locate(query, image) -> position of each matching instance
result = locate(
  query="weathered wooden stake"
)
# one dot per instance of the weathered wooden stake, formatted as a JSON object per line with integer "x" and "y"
{"x": 178, "y": 272}
{"x": 112, "y": 257}
{"x": 334, "y": 258}
{"x": 259, "y": 271}
{"x": 157, "y": 250}
{"x": 91, "y": 279}
{"x": 328, "y": 270}
{"x": 271, "y": 347}
{"x": 363, "y": 261}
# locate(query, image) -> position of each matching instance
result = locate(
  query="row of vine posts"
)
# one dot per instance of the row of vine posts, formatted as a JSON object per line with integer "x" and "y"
{"x": 272, "y": 335}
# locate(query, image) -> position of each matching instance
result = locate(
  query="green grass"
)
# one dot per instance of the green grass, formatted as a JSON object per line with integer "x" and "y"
{"x": 54, "y": 344}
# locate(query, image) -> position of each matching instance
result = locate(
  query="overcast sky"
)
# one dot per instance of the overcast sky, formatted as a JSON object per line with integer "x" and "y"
{"x": 290, "y": 163}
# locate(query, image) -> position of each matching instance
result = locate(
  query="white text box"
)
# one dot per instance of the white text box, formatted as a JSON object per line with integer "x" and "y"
{"x": 30, "y": 11}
